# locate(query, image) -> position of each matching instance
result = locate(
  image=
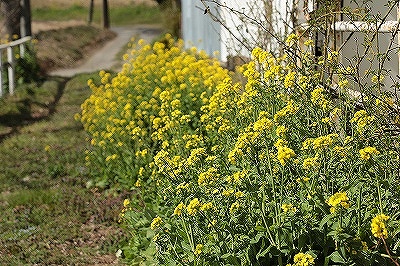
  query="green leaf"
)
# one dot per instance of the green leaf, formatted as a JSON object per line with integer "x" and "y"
{"x": 302, "y": 241}
{"x": 226, "y": 256}
{"x": 324, "y": 220}
{"x": 336, "y": 257}
{"x": 260, "y": 228}
{"x": 263, "y": 252}
{"x": 256, "y": 239}
{"x": 397, "y": 245}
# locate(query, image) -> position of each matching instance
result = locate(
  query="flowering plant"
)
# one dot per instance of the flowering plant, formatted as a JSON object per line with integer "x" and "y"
{"x": 271, "y": 171}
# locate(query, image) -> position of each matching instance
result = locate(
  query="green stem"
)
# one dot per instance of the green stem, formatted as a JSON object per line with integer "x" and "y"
{"x": 271, "y": 239}
{"x": 359, "y": 212}
{"x": 273, "y": 185}
{"x": 280, "y": 260}
{"x": 379, "y": 195}
{"x": 189, "y": 236}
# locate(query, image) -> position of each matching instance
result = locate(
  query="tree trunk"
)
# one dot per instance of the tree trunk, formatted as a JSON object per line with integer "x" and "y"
{"x": 11, "y": 10}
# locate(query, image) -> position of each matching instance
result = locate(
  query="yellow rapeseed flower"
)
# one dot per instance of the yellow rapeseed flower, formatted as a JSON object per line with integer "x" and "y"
{"x": 292, "y": 39}
{"x": 208, "y": 177}
{"x": 310, "y": 163}
{"x": 193, "y": 206}
{"x": 362, "y": 119}
{"x": 378, "y": 226}
{"x": 198, "y": 249}
{"x": 367, "y": 152}
{"x": 318, "y": 98}
{"x": 302, "y": 259}
{"x": 338, "y": 199}
{"x": 156, "y": 223}
{"x": 234, "y": 207}
{"x": 281, "y": 130}
{"x": 288, "y": 207}
{"x": 178, "y": 209}
{"x": 126, "y": 202}
{"x": 323, "y": 142}
{"x": 206, "y": 206}
{"x": 284, "y": 154}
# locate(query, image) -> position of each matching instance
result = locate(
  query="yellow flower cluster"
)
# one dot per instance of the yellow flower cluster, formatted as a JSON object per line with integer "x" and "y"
{"x": 156, "y": 223}
{"x": 178, "y": 209}
{"x": 290, "y": 108}
{"x": 324, "y": 142}
{"x": 160, "y": 89}
{"x": 126, "y": 202}
{"x": 212, "y": 147}
{"x": 199, "y": 248}
{"x": 234, "y": 207}
{"x": 208, "y": 177}
{"x": 362, "y": 119}
{"x": 310, "y": 163}
{"x": 338, "y": 199}
{"x": 284, "y": 154}
{"x": 318, "y": 98}
{"x": 237, "y": 177}
{"x": 287, "y": 207}
{"x": 206, "y": 206}
{"x": 378, "y": 226}
{"x": 292, "y": 39}
{"x": 367, "y": 153}
{"x": 194, "y": 206}
{"x": 126, "y": 208}
{"x": 302, "y": 259}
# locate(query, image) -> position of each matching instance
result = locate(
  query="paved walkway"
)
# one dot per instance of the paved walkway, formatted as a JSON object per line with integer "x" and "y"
{"x": 106, "y": 57}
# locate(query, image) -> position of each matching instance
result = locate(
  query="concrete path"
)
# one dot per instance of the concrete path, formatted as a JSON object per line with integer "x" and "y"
{"x": 106, "y": 57}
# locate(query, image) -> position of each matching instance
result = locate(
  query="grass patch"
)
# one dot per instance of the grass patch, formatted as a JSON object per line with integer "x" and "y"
{"x": 48, "y": 215}
{"x": 119, "y": 15}
{"x": 140, "y": 14}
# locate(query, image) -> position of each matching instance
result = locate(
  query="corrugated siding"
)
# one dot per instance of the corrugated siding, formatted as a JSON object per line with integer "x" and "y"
{"x": 198, "y": 29}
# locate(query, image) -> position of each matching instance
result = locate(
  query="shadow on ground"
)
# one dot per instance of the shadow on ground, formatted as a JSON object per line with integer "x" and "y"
{"x": 25, "y": 109}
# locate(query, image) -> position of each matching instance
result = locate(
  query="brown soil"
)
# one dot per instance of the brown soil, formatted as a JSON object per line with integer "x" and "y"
{"x": 65, "y": 47}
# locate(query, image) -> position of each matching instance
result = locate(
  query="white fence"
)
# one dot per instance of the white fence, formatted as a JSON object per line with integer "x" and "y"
{"x": 10, "y": 62}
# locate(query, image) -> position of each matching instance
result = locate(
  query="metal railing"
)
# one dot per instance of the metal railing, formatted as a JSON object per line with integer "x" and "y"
{"x": 10, "y": 62}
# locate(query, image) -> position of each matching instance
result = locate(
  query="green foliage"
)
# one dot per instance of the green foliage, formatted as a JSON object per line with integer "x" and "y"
{"x": 27, "y": 68}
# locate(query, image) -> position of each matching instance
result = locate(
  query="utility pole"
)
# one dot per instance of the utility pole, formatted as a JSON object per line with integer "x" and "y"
{"x": 106, "y": 15}
{"x": 91, "y": 9}
{"x": 26, "y": 20}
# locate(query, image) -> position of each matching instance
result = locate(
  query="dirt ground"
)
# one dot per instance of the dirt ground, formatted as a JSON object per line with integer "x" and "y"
{"x": 57, "y": 48}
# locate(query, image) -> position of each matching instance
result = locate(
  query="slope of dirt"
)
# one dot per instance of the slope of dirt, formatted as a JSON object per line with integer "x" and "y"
{"x": 68, "y": 47}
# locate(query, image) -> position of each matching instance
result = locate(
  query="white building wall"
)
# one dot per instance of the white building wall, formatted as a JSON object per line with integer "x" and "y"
{"x": 198, "y": 29}
{"x": 232, "y": 27}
